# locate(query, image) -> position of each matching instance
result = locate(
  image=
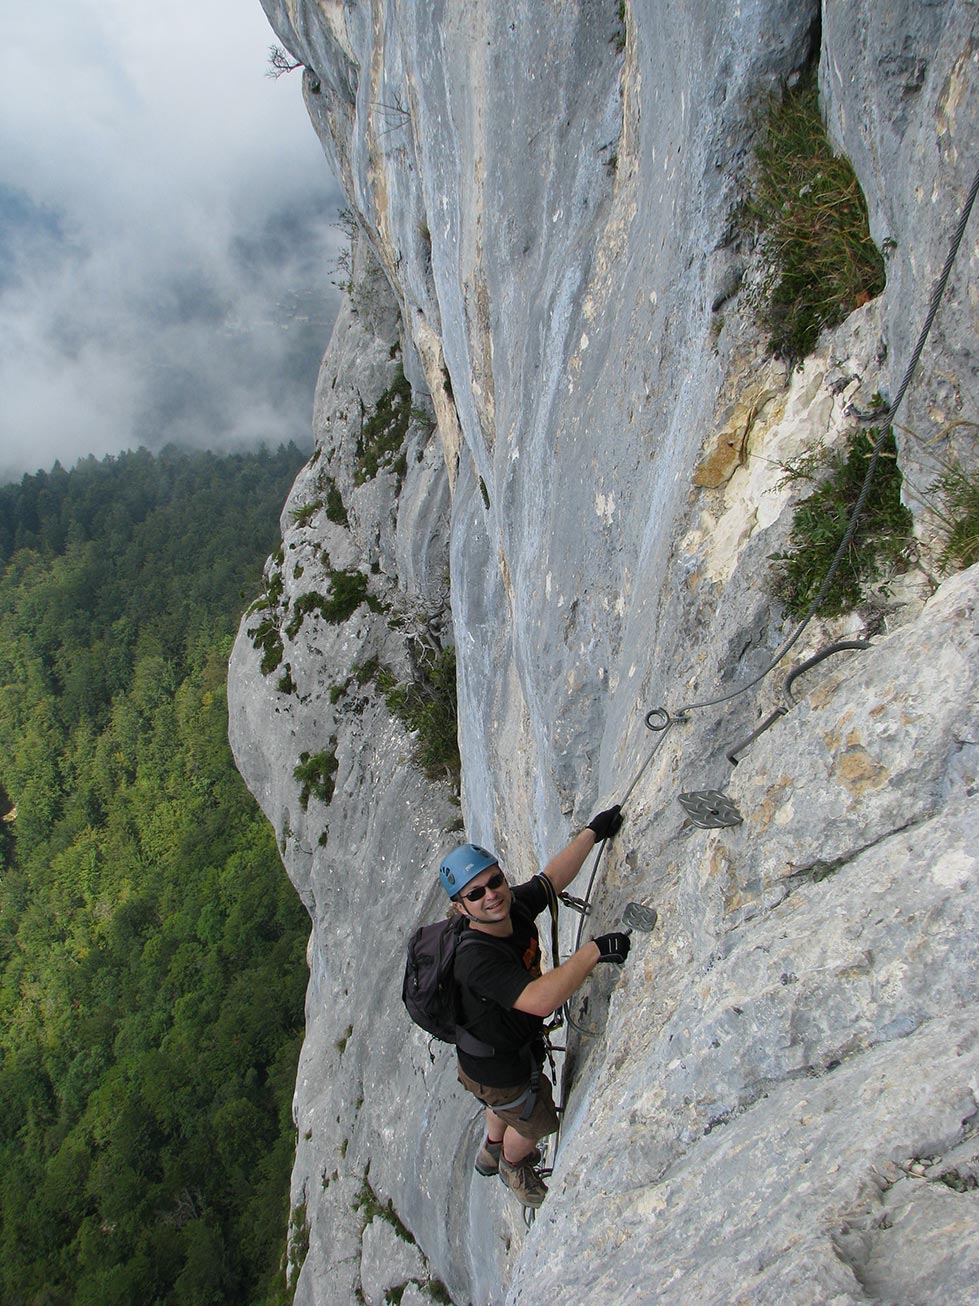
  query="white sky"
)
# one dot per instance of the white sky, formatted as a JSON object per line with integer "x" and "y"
{"x": 166, "y": 233}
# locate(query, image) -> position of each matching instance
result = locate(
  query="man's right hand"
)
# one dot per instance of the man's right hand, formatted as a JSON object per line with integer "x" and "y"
{"x": 612, "y": 947}
{"x": 606, "y": 823}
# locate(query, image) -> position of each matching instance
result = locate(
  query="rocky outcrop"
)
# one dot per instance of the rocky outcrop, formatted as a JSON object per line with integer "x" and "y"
{"x": 778, "y": 1098}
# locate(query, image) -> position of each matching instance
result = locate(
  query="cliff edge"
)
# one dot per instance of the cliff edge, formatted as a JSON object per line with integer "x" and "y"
{"x": 555, "y": 452}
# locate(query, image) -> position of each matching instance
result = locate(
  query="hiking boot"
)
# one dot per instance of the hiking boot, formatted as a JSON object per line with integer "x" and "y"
{"x": 523, "y": 1181}
{"x": 488, "y": 1158}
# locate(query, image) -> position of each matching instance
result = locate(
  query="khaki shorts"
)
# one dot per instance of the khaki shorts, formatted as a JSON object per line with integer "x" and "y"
{"x": 542, "y": 1120}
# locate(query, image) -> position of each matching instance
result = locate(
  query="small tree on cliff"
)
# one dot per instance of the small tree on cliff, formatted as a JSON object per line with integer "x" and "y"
{"x": 280, "y": 62}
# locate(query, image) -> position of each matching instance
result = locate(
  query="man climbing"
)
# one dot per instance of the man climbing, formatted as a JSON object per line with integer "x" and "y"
{"x": 504, "y": 998}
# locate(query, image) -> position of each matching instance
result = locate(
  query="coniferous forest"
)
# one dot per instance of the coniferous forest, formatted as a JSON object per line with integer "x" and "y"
{"x": 152, "y": 951}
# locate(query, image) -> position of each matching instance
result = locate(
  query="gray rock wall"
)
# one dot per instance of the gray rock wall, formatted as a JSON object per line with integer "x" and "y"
{"x": 897, "y": 83}
{"x": 778, "y": 1102}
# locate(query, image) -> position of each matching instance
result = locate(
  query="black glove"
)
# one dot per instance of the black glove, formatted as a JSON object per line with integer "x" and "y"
{"x": 613, "y": 947}
{"x": 606, "y": 823}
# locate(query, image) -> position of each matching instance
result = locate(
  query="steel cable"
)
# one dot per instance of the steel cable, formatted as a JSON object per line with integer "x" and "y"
{"x": 885, "y": 418}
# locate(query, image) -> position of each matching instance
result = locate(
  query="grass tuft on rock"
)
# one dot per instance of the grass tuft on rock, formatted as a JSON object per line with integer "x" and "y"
{"x": 348, "y": 590}
{"x": 369, "y": 1205}
{"x": 881, "y": 542}
{"x": 304, "y": 515}
{"x": 266, "y": 638}
{"x": 822, "y": 262}
{"x": 298, "y": 1241}
{"x": 957, "y": 493}
{"x": 379, "y": 445}
{"x": 427, "y": 705}
{"x": 335, "y": 510}
{"x": 316, "y": 773}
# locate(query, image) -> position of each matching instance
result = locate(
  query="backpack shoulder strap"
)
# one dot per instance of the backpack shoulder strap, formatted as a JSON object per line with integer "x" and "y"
{"x": 465, "y": 1039}
{"x": 479, "y": 937}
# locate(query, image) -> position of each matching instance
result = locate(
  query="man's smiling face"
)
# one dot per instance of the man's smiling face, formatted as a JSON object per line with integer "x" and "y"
{"x": 492, "y": 897}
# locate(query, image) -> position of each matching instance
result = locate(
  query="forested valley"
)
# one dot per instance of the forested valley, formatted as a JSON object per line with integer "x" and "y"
{"x": 152, "y": 950}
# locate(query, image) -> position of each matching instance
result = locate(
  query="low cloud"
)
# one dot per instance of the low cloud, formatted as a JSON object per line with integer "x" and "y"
{"x": 166, "y": 234}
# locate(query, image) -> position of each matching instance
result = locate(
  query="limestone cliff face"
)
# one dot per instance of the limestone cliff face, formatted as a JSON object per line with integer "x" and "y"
{"x": 779, "y": 1099}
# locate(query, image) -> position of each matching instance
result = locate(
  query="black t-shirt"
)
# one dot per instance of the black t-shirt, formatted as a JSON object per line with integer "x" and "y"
{"x": 491, "y": 977}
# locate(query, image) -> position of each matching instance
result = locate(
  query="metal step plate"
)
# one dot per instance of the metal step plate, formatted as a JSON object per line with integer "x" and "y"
{"x": 709, "y": 809}
{"x": 639, "y": 917}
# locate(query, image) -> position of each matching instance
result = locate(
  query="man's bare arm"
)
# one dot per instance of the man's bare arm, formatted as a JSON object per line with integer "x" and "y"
{"x": 546, "y": 993}
{"x": 563, "y": 867}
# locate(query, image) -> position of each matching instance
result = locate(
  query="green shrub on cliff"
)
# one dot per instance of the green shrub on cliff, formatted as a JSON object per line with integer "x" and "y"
{"x": 379, "y": 445}
{"x": 814, "y": 232}
{"x": 348, "y": 590}
{"x": 880, "y": 544}
{"x": 427, "y": 706}
{"x": 315, "y": 773}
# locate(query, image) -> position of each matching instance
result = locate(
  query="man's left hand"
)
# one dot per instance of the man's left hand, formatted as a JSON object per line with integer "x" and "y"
{"x": 606, "y": 823}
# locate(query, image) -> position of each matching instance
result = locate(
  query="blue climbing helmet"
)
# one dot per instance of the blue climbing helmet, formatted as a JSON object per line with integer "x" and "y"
{"x": 462, "y": 865}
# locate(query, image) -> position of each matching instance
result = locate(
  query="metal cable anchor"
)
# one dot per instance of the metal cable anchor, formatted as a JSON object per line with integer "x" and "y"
{"x": 841, "y": 645}
{"x": 576, "y": 904}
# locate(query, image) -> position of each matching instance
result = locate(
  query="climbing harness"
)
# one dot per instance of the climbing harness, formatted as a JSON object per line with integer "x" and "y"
{"x": 552, "y": 904}
{"x": 528, "y": 1098}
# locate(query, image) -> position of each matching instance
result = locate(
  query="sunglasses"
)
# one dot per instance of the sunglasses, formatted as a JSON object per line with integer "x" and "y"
{"x": 493, "y": 882}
